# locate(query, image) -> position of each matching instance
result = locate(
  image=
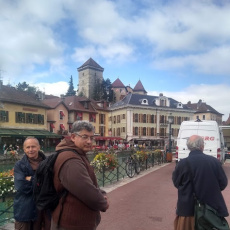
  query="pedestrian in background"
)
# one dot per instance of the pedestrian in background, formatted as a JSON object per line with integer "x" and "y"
{"x": 73, "y": 172}
{"x": 209, "y": 180}
{"x": 26, "y": 215}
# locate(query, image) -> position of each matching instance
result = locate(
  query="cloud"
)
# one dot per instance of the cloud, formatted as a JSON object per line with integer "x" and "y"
{"x": 217, "y": 96}
{"x": 55, "y": 89}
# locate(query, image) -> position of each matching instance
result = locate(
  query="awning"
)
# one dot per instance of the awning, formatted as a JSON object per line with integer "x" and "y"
{"x": 62, "y": 113}
{"x": 27, "y": 132}
{"x": 62, "y": 126}
{"x": 108, "y": 138}
{"x": 52, "y": 126}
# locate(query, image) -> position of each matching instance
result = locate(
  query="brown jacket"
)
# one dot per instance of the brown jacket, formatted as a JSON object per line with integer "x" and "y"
{"x": 84, "y": 201}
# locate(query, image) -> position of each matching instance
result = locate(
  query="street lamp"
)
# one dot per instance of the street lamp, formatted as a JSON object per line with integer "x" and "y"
{"x": 170, "y": 121}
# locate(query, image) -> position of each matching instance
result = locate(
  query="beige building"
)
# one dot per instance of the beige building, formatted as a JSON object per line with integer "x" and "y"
{"x": 21, "y": 115}
{"x": 143, "y": 118}
{"x": 205, "y": 112}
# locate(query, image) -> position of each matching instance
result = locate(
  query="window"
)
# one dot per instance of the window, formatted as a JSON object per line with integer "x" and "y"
{"x": 79, "y": 116}
{"x": 152, "y": 132}
{"x": 162, "y": 119}
{"x": 114, "y": 120}
{"x": 92, "y": 117}
{"x": 118, "y": 132}
{"x": 123, "y": 129}
{"x": 102, "y": 130}
{"x": 144, "y": 118}
{"x": 61, "y": 115}
{"x": 136, "y": 131}
{"x": 162, "y": 132}
{"x": 203, "y": 117}
{"x": 4, "y": 116}
{"x": 151, "y": 118}
{"x": 136, "y": 118}
{"x": 52, "y": 127}
{"x": 29, "y": 118}
{"x": 144, "y": 131}
{"x": 20, "y": 117}
{"x": 102, "y": 118}
{"x": 123, "y": 116}
{"x": 40, "y": 119}
{"x": 179, "y": 120}
{"x": 86, "y": 105}
{"x": 118, "y": 119}
{"x": 162, "y": 102}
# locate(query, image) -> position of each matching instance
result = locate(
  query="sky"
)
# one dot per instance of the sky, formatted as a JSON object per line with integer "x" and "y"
{"x": 180, "y": 48}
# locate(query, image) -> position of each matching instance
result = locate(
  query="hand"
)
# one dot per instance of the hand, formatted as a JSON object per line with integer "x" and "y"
{"x": 28, "y": 178}
{"x": 106, "y": 198}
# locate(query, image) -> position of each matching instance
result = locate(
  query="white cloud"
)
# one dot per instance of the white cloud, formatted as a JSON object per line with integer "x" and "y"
{"x": 217, "y": 96}
{"x": 55, "y": 89}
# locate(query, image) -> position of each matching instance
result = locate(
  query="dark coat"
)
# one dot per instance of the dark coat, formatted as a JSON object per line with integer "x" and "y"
{"x": 209, "y": 181}
{"x": 24, "y": 206}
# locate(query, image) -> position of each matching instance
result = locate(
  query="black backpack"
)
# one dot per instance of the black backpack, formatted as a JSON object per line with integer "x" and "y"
{"x": 44, "y": 192}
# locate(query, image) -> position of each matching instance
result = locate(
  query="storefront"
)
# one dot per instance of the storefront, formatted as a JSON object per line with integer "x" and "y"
{"x": 16, "y": 137}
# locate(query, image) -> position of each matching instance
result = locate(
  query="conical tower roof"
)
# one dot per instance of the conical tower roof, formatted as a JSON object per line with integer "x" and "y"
{"x": 90, "y": 63}
{"x": 118, "y": 84}
{"x": 139, "y": 87}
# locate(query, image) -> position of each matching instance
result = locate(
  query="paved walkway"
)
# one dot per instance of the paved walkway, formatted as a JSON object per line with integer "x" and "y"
{"x": 144, "y": 202}
{"x": 110, "y": 188}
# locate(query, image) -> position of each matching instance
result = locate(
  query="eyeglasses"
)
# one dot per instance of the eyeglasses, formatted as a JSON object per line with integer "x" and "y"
{"x": 85, "y": 137}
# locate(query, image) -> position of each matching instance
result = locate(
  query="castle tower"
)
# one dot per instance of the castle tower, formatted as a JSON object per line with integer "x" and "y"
{"x": 89, "y": 74}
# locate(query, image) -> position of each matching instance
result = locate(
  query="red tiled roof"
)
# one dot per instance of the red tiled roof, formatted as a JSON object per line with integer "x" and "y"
{"x": 12, "y": 95}
{"x": 77, "y": 103}
{"x": 118, "y": 84}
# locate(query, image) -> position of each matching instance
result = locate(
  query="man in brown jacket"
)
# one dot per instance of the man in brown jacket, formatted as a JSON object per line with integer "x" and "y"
{"x": 73, "y": 172}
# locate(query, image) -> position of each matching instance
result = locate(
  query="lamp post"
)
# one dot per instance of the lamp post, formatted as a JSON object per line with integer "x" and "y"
{"x": 170, "y": 121}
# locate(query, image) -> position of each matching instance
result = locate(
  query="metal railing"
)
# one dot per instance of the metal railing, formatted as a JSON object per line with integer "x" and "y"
{"x": 104, "y": 178}
{"x": 107, "y": 177}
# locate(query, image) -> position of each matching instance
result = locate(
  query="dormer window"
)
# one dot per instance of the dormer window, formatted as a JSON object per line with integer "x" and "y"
{"x": 144, "y": 102}
{"x": 180, "y": 105}
{"x": 86, "y": 105}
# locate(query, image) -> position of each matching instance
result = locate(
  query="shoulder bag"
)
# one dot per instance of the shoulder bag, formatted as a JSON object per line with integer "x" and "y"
{"x": 206, "y": 217}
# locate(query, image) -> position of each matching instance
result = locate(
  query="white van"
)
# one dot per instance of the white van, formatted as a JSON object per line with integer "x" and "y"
{"x": 209, "y": 130}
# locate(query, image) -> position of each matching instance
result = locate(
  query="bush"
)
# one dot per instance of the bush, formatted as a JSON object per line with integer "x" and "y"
{"x": 108, "y": 161}
{"x": 7, "y": 183}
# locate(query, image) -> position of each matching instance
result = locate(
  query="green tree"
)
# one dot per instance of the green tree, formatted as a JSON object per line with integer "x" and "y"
{"x": 26, "y": 87}
{"x": 98, "y": 90}
{"x": 71, "y": 91}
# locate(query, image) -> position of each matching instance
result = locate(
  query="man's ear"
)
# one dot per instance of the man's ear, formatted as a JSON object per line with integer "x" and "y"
{"x": 72, "y": 136}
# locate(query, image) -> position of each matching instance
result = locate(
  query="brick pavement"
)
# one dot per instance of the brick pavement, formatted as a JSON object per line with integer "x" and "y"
{"x": 144, "y": 202}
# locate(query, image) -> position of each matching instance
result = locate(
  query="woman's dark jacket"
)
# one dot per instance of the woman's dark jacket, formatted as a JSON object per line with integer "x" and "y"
{"x": 209, "y": 180}
{"x": 24, "y": 206}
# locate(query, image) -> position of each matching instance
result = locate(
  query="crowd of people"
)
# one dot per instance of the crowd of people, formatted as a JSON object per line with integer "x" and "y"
{"x": 85, "y": 200}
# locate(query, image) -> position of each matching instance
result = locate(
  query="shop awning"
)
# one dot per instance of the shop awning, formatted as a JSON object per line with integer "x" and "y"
{"x": 27, "y": 132}
{"x": 108, "y": 138}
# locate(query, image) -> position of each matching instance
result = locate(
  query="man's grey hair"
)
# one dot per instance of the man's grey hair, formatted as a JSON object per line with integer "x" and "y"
{"x": 31, "y": 138}
{"x": 81, "y": 125}
{"x": 195, "y": 143}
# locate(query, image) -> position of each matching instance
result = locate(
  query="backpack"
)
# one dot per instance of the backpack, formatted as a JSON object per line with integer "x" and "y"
{"x": 44, "y": 192}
